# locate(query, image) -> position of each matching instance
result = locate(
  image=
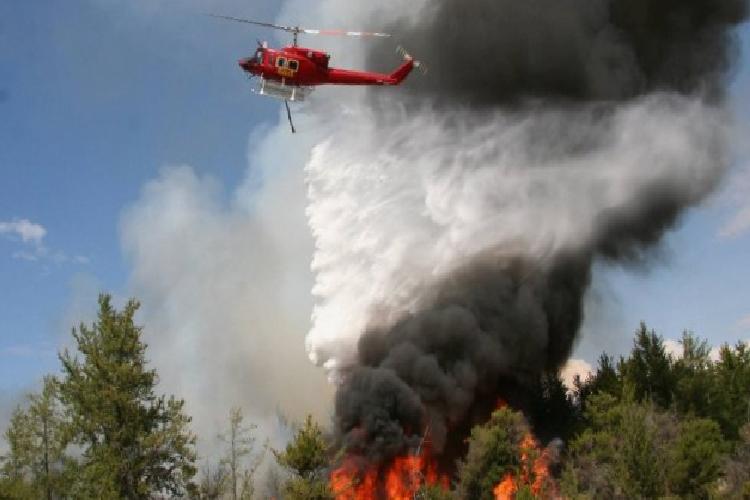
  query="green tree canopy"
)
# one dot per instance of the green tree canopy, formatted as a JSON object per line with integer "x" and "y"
{"x": 36, "y": 465}
{"x": 649, "y": 369}
{"x": 135, "y": 444}
{"x": 494, "y": 451}
{"x": 635, "y": 450}
{"x": 306, "y": 457}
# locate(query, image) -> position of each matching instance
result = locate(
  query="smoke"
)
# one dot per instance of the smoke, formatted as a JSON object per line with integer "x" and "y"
{"x": 490, "y": 52}
{"x": 457, "y": 222}
{"x": 225, "y": 293}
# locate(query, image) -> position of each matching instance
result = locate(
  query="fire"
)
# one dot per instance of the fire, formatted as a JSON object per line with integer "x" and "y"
{"x": 348, "y": 484}
{"x": 534, "y": 473}
{"x": 398, "y": 480}
{"x": 506, "y": 488}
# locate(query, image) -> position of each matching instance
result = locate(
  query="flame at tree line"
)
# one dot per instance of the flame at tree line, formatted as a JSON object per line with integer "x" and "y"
{"x": 534, "y": 473}
{"x": 467, "y": 270}
{"x": 399, "y": 479}
{"x": 402, "y": 477}
{"x": 534, "y": 469}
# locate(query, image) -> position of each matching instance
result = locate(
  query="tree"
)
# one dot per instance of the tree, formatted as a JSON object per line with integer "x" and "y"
{"x": 551, "y": 409}
{"x": 494, "y": 452}
{"x": 135, "y": 444}
{"x": 693, "y": 373}
{"x": 620, "y": 454}
{"x": 37, "y": 438}
{"x": 606, "y": 379}
{"x": 649, "y": 368}
{"x": 213, "y": 482}
{"x": 240, "y": 443}
{"x": 736, "y": 469}
{"x": 730, "y": 406}
{"x": 696, "y": 457}
{"x": 306, "y": 458}
{"x": 16, "y": 480}
{"x": 636, "y": 450}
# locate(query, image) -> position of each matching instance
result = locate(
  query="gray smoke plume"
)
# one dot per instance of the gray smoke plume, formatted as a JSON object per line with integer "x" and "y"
{"x": 490, "y": 52}
{"x": 457, "y": 223}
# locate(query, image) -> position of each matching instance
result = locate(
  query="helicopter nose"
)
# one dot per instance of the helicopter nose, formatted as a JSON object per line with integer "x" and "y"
{"x": 244, "y": 64}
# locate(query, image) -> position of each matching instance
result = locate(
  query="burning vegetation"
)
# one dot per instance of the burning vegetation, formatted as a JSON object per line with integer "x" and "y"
{"x": 461, "y": 278}
{"x": 455, "y": 242}
{"x": 400, "y": 479}
{"x": 652, "y": 425}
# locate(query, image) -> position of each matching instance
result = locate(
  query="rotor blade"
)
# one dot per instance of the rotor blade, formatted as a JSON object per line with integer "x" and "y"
{"x": 294, "y": 29}
{"x": 343, "y": 33}
{"x": 257, "y": 23}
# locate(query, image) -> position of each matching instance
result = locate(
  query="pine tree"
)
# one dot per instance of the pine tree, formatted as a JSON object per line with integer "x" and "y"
{"x": 606, "y": 379}
{"x": 36, "y": 463}
{"x": 135, "y": 444}
{"x": 240, "y": 443}
{"x": 306, "y": 457}
{"x": 494, "y": 452}
{"x": 694, "y": 379}
{"x": 696, "y": 458}
{"x": 649, "y": 369}
{"x": 213, "y": 482}
{"x": 730, "y": 406}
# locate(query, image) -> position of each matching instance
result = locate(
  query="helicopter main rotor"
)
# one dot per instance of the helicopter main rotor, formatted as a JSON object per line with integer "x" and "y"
{"x": 296, "y": 30}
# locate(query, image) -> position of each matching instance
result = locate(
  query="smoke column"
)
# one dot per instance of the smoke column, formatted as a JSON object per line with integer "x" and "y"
{"x": 457, "y": 220}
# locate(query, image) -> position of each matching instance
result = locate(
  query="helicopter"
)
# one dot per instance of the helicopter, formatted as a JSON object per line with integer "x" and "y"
{"x": 292, "y": 72}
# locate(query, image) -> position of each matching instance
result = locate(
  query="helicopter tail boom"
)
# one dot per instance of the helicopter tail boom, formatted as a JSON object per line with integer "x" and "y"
{"x": 401, "y": 72}
{"x": 347, "y": 77}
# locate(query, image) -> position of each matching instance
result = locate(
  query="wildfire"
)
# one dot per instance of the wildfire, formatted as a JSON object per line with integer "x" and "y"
{"x": 398, "y": 480}
{"x": 534, "y": 470}
{"x": 534, "y": 473}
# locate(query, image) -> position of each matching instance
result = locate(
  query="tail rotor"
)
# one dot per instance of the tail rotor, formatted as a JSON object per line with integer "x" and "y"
{"x": 400, "y": 50}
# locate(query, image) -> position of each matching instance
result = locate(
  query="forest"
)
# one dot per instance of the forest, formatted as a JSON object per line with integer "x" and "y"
{"x": 647, "y": 425}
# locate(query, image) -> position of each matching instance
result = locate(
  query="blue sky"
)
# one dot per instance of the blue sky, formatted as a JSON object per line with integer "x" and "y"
{"x": 97, "y": 95}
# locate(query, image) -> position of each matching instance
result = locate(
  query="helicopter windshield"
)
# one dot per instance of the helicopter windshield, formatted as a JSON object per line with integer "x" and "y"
{"x": 258, "y": 59}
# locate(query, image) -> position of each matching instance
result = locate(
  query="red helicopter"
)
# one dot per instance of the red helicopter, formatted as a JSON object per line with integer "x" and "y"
{"x": 292, "y": 72}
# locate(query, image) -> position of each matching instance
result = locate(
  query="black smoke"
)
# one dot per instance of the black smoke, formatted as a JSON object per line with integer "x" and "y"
{"x": 493, "y": 325}
{"x": 496, "y": 324}
{"x": 488, "y": 52}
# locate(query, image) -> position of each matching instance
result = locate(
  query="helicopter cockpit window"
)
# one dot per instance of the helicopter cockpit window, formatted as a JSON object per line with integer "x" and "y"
{"x": 259, "y": 57}
{"x": 293, "y": 65}
{"x": 281, "y": 62}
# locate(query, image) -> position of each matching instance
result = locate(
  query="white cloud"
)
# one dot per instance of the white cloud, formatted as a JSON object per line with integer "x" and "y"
{"x": 673, "y": 347}
{"x": 27, "y": 231}
{"x": 575, "y": 367}
{"x": 31, "y": 235}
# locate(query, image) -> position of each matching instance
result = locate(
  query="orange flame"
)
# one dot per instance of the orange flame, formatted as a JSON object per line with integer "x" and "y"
{"x": 534, "y": 473}
{"x": 401, "y": 479}
{"x": 348, "y": 484}
{"x": 506, "y": 488}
